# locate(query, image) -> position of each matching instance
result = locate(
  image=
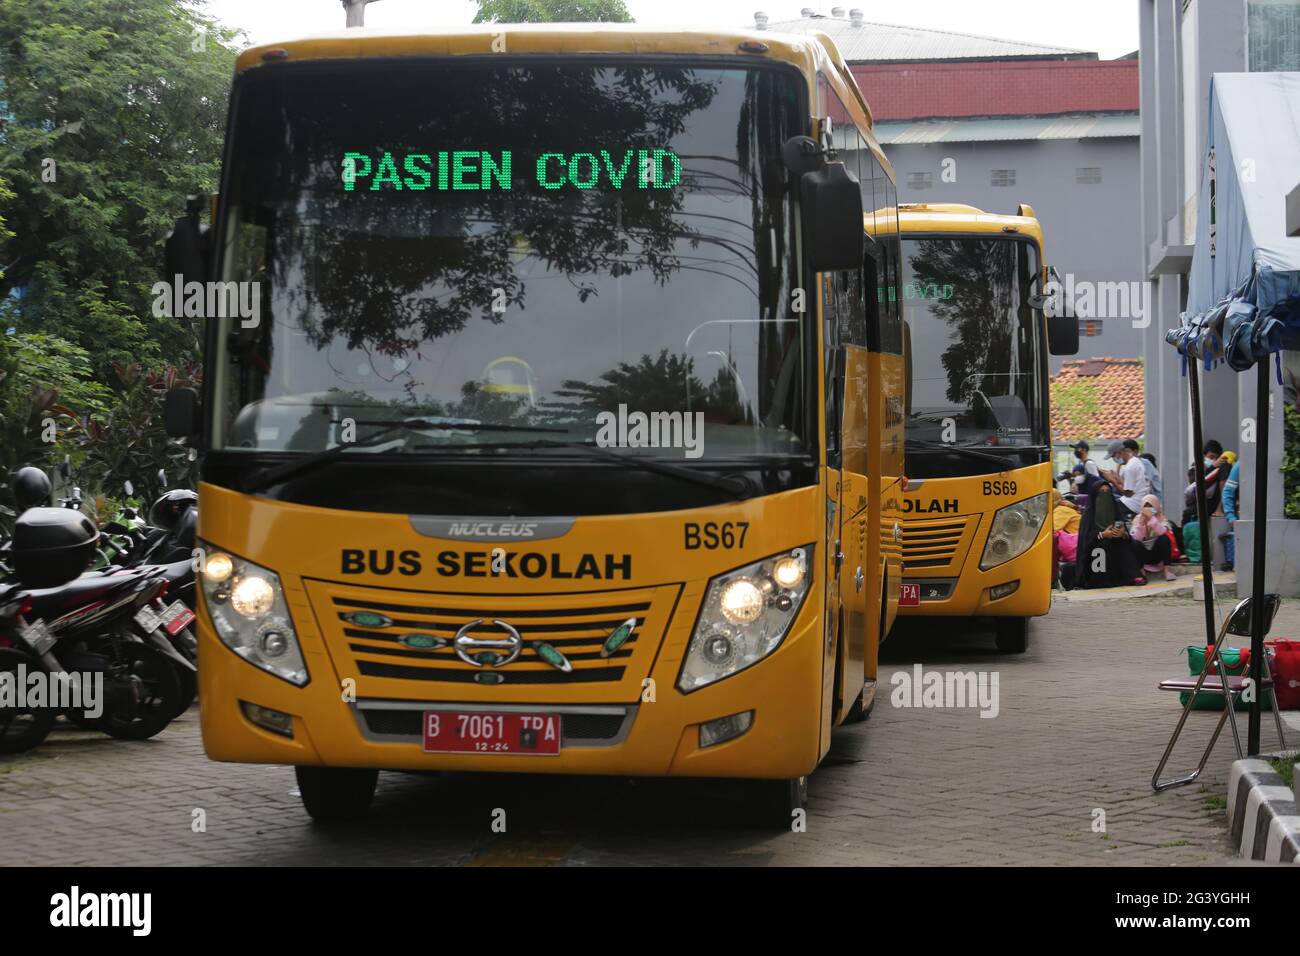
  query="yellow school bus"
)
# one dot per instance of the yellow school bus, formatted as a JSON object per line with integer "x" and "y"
{"x": 976, "y": 534}
{"x": 560, "y": 440}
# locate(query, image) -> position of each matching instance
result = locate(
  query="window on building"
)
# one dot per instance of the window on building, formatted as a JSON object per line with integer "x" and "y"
{"x": 1003, "y": 177}
{"x": 1089, "y": 328}
{"x": 920, "y": 180}
{"x": 1273, "y": 35}
{"x": 1087, "y": 175}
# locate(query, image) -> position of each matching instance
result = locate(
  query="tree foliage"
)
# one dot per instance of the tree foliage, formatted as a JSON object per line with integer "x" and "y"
{"x": 1075, "y": 407}
{"x": 552, "y": 11}
{"x": 112, "y": 113}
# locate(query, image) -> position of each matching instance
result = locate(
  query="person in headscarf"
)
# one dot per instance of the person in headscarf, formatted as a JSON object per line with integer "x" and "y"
{"x": 1065, "y": 533}
{"x": 1105, "y": 556}
{"x": 1065, "y": 517}
{"x": 1150, "y": 534}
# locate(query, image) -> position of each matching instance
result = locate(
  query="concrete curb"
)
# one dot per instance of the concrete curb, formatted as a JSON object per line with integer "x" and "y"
{"x": 1262, "y": 813}
{"x": 1185, "y": 586}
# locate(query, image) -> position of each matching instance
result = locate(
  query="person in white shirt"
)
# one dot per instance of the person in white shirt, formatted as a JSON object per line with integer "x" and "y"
{"x": 1131, "y": 483}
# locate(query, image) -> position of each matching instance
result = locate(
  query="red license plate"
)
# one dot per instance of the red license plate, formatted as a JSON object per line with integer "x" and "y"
{"x": 462, "y": 732}
{"x": 909, "y": 595}
{"x": 176, "y": 618}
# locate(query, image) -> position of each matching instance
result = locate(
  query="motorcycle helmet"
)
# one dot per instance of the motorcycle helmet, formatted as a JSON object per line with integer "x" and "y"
{"x": 170, "y": 506}
{"x": 31, "y": 487}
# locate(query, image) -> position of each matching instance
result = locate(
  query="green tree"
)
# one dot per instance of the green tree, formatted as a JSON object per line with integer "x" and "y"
{"x": 112, "y": 112}
{"x": 1291, "y": 461}
{"x": 552, "y": 11}
{"x": 1075, "y": 407}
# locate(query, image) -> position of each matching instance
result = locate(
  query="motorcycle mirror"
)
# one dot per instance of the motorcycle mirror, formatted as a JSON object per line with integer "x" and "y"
{"x": 162, "y": 477}
{"x": 128, "y": 488}
{"x": 65, "y": 468}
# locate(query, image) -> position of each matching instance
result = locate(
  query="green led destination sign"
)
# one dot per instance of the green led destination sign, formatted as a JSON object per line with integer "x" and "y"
{"x": 473, "y": 169}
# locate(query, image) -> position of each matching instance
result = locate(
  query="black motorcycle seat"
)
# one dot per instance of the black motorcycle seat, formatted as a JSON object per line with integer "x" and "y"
{"x": 50, "y": 602}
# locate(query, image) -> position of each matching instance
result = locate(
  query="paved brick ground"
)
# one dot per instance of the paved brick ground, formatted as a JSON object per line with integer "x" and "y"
{"x": 1080, "y": 728}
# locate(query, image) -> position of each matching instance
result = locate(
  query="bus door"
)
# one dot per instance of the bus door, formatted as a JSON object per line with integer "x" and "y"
{"x": 832, "y": 560}
{"x": 849, "y": 308}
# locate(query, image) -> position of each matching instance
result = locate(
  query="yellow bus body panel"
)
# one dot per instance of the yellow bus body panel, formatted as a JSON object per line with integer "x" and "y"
{"x": 791, "y": 691}
{"x": 958, "y": 538}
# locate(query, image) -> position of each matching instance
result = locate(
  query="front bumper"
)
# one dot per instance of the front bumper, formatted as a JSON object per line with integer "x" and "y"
{"x": 656, "y": 734}
{"x": 968, "y": 594}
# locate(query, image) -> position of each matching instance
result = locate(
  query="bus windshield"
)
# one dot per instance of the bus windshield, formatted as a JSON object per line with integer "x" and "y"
{"x": 570, "y": 247}
{"x": 977, "y": 367}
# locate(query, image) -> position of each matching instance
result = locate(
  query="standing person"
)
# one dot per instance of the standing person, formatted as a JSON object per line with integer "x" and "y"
{"x": 1150, "y": 534}
{"x": 1086, "y": 473}
{"x": 1153, "y": 472}
{"x": 1231, "y": 498}
{"x": 1130, "y": 482}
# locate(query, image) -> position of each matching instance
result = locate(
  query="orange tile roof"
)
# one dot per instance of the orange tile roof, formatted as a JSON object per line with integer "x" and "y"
{"x": 1100, "y": 398}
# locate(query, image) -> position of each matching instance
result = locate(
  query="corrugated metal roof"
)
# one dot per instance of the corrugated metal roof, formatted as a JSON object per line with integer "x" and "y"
{"x": 1011, "y": 128}
{"x": 888, "y": 42}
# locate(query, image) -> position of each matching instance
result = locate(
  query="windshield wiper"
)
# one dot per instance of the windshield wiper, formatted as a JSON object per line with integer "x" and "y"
{"x": 736, "y": 486}
{"x": 920, "y": 444}
{"x": 276, "y": 473}
{"x": 460, "y": 424}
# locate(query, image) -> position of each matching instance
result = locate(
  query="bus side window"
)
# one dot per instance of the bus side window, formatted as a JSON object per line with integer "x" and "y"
{"x": 888, "y": 319}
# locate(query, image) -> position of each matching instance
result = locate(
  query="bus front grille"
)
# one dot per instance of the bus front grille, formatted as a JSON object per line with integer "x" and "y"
{"x": 937, "y": 543}
{"x": 395, "y": 641}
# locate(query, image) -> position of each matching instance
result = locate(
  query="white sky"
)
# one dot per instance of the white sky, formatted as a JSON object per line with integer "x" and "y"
{"x": 1109, "y": 27}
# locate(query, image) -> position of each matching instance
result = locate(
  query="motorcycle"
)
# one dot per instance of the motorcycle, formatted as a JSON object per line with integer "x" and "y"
{"x": 100, "y": 624}
{"x": 23, "y": 725}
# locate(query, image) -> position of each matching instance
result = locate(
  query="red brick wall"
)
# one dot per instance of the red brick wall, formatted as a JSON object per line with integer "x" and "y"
{"x": 899, "y": 91}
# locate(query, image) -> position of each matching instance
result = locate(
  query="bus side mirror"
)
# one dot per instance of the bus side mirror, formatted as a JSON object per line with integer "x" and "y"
{"x": 181, "y": 413}
{"x": 1062, "y": 324}
{"x": 186, "y": 252}
{"x": 1063, "y": 335}
{"x": 832, "y": 219}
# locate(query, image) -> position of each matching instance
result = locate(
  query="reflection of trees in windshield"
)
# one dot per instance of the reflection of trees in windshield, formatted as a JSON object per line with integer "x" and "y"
{"x": 666, "y": 383}
{"x": 979, "y": 353}
{"x": 525, "y": 305}
{"x": 386, "y": 270}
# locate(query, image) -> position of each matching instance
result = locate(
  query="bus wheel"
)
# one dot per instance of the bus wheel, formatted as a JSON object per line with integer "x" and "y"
{"x": 335, "y": 793}
{"x": 860, "y": 710}
{"x": 775, "y": 804}
{"x": 1012, "y": 635}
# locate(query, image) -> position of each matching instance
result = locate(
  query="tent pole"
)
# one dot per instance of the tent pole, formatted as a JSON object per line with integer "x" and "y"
{"x": 1259, "y": 526}
{"x": 1202, "y": 507}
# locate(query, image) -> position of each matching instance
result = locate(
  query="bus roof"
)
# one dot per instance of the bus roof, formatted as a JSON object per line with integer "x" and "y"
{"x": 809, "y": 51}
{"x": 957, "y": 217}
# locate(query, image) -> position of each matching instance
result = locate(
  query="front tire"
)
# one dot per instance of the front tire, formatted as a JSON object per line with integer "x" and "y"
{"x": 148, "y": 693}
{"x": 1012, "y": 635}
{"x": 336, "y": 793}
{"x": 860, "y": 710}
{"x": 21, "y": 729}
{"x": 774, "y": 804}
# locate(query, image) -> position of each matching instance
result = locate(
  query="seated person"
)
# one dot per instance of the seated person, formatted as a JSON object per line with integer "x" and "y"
{"x": 1150, "y": 533}
{"x": 1106, "y": 556}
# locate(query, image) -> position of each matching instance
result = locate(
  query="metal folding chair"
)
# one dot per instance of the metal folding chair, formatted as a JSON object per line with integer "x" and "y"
{"x": 1237, "y": 624}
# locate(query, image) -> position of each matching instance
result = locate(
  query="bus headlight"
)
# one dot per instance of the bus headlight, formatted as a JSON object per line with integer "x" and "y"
{"x": 745, "y": 616}
{"x": 1014, "y": 529}
{"x": 246, "y": 604}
